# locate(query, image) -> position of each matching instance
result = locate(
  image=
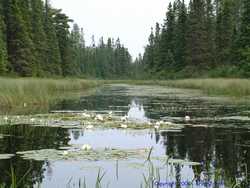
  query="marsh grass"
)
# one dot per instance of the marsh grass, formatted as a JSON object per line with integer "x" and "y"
{"x": 33, "y": 91}
{"x": 217, "y": 86}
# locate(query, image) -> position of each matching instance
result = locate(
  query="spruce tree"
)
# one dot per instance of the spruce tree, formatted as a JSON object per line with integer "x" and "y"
{"x": 3, "y": 50}
{"x": 197, "y": 50}
{"x": 244, "y": 43}
{"x": 224, "y": 32}
{"x": 39, "y": 36}
{"x": 53, "y": 56}
{"x": 18, "y": 40}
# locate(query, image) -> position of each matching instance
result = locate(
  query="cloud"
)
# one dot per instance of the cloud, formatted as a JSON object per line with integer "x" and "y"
{"x": 130, "y": 20}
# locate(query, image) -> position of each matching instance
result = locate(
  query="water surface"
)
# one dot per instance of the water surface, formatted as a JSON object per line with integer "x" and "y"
{"x": 218, "y": 137}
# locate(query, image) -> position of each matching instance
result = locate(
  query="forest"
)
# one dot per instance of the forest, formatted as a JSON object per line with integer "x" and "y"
{"x": 199, "y": 38}
{"x": 204, "y": 38}
{"x": 37, "y": 40}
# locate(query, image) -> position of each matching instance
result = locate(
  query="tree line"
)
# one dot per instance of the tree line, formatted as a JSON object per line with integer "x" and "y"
{"x": 37, "y": 40}
{"x": 202, "y": 38}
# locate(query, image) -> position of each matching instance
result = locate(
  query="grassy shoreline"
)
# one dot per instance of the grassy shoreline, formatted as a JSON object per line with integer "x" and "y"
{"x": 24, "y": 92}
{"x": 237, "y": 88}
{"x": 36, "y": 91}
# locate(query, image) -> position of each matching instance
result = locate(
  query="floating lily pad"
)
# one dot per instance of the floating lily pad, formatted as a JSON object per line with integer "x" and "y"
{"x": 136, "y": 165}
{"x": 78, "y": 154}
{"x": 83, "y": 120}
{"x": 6, "y": 156}
{"x": 183, "y": 162}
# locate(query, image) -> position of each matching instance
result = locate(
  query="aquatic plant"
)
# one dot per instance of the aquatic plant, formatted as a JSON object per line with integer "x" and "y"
{"x": 25, "y": 92}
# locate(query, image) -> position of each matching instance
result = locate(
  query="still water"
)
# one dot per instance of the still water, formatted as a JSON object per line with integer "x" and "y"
{"x": 217, "y": 137}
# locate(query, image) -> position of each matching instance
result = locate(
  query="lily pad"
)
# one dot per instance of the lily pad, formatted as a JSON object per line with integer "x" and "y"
{"x": 6, "y": 156}
{"x": 183, "y": 162}
{"x": 78, "y": 154}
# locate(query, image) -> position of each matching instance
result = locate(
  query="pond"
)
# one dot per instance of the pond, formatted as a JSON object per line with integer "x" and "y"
{"x": 129, "y": 136}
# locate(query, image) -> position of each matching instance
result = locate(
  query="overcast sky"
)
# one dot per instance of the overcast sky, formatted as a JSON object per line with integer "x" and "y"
{"x": 131, "y": 20}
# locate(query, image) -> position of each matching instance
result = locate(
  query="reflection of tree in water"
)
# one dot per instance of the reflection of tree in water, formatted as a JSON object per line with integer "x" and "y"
{"x": 23, "y": 138}
{"x": 221, "y": 153}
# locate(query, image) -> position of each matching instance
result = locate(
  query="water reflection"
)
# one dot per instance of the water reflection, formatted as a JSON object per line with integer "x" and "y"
{"x": 136, "y": 112}
{"x": 24, "y": 138}
{"x": 223, "y": 152}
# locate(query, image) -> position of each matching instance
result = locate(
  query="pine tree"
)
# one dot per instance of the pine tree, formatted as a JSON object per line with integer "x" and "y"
{"x": 39, "y": 36}
{"x": 3, "y": 51}
{"x": 224, "y": 32}
{"x": 53, "y": 56}
{"x": 180, "y": 32}
{"x": 245, "y": 37}
{"x": 197, "y": 50}
{"x": 148, "y": 57}
{"x": 167, "y": 39}
{"x": 18, "y": 40}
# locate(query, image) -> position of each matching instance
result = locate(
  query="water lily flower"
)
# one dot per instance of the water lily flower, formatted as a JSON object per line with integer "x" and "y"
{"x": 65, "y": 153}
{"x": 187, "y": 118}
{"x": 158, "y": 123}
{"x": 156, "y": 126}
{"x": 124, "y": 118}
{"x": 149, "y": 123}
{"x": 86, "y": 147}
{"x": 89, "y": 127}
{"x": 32, "y": 120}
{"x": 168, "y": 123}
{"x": 99, "y": 118}
{"x": 110, "y": 113}
{"x": 6, "y": 118}
{"x": 124, "y": 126}
{"x": 85, "y": 115}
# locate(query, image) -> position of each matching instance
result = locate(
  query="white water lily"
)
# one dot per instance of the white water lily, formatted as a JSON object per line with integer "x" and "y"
{"x": 187, "y": 118}
{"x": 156, "y": 126}
{"x": 110, "y": 113}
{"x": 150, "y": 123}
{"x": 65, "y": 153}
{"x": 85, "y": 115}
{"x": 124, "y": 126}
{"x": 32, "y": 120}
{"x": 86, "y": 147}
{"x": 168, "y": 123}
{"x": 124, "y": 118}
{"x": 158, "y": 123}
{"x": 5, "y": 118}
{"x": 99, "y": 117}
{"x": 89, "y": 127}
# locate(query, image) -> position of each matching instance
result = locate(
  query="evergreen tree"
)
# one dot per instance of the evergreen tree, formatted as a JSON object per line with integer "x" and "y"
{"x": 197, "y": 50}
{"x": 3, "y": 51}
{"x": 180, "y": 34}
{"x": 224, "y": 32}
{"x": 244, "y": 43}
{"x": 53, "y": 56}
{"x": 167, "y": 40}
{"x": 18, "y": 40}
{"x": 39, "y": 36}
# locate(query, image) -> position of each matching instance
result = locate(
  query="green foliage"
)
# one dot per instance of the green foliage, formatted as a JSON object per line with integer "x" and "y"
{"x": 3, "y": 52}
{"x": 207, "y": 38}
{"x": 35, "y": 40}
